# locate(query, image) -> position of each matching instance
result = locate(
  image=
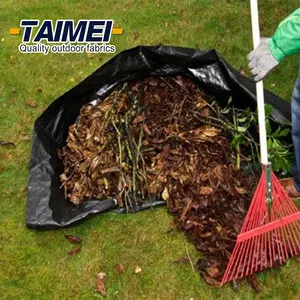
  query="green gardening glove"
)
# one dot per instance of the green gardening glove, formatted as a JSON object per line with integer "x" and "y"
{"x": 261, "y": 61}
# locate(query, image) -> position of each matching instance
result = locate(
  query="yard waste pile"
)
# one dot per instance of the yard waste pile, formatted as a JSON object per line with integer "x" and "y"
{"x": 162, "y": 136}
{"x": 48, "y": 206}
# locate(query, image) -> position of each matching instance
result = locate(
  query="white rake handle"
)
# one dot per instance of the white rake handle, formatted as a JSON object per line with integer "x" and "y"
{"x": 259, "y": 88}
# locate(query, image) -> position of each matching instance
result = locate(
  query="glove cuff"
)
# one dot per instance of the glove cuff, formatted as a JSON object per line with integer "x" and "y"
{"x": 276, "y": 52}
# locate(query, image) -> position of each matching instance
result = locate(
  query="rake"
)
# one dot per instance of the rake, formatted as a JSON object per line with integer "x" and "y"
{"x": 271, "y": 230}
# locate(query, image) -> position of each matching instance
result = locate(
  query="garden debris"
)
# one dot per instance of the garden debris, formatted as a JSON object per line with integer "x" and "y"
{"x": 137, "y": 270}
{"x": 119, "y": 268}
{"x": 100, "y": 284}
{"x": 163, "y": 136}
{"x": 26, "y": 138}
{"x": 183, "y": 260}
{"x": 75, "y": 250}
{"x": 32, "y": 103}
{"x": 7, "y": 144}
{"x": 73, "y": 239}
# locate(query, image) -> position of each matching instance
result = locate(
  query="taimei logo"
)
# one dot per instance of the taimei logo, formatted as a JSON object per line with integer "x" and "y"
{"x": 66, "y": 37}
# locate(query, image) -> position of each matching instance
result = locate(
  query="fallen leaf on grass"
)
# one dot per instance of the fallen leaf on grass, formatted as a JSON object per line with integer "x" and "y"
{"x": 100, "y": 284}
{"x": 7, "y": 144}
{"x": 26, "y": 137}
{"x": 137, "y": 270}
{"x": 242, "y": 71}
{"x": 90, "y": 55}
{"x": 135, "y": 35}
{"x": 252, "y": 279}
{"x": 40, "y": 90}
{"x": 32, "y": 103}
{"x": 119, "y": 268}
{"x": 9, "y": 155}
{"x": 183, "y": 260}
{"x": 210, "y": 280}
{"x": 73, "y": 239}
{"x": 75, "y": 250}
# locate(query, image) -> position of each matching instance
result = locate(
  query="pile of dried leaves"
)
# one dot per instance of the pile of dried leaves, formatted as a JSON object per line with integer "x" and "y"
{"x": 161, "y": 136}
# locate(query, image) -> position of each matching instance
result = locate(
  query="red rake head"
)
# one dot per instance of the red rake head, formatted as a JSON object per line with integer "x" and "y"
{"x": 269, "y": 235}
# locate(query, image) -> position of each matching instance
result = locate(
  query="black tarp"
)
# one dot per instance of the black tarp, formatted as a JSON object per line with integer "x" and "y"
{"x": 46, "y": 206}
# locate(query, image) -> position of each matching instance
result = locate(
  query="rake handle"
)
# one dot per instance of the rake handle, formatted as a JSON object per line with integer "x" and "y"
{"x": 259, "y": 88}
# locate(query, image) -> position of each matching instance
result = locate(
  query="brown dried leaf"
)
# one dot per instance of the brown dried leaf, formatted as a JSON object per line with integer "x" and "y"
{"x": 120, "y": 268}
{"x": 32, "y": 103}
{"x": 7, "y": 144}
{"x": 73, "y": 239}
{"x": 213, "y": 271}
{"x": 100, "y": 288}
{"x": 253, "y": 281}
{"x": 183, "y": 260}
{"x": 139, "y": 119}
{"x": 135, "y": 35}
{"x": 206, "y": 234}
{"x": 75, "y": 250}
{"x": 205, "y": 190}
{"x": 211, "y": 281}
{"x": 165, "y": 194}
{"x": 40, "y": 90}
{"x": 26, "y": 137}
{"x": 241, "y": 190}
{"x": 146, "y": 128}
{"x": 110, "y": 170}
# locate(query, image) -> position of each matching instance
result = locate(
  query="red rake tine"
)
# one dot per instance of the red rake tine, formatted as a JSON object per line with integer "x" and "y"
{"x": 276, "y": 239}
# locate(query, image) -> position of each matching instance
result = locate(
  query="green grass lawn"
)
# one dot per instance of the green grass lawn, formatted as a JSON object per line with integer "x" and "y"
{"x": 35, "y": 264}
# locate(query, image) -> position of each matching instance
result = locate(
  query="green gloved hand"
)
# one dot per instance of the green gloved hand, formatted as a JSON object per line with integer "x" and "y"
{"x": 261, "y": 60}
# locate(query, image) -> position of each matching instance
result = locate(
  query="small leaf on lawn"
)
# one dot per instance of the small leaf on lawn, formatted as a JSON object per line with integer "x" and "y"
{"x": 135, "y": 35}
{"x": 252, "y": 279}
{"x": 90, "y": 55}
{"x": 183, "y": 260}
{"x": 31, "y": 103}
{"x": 40, "y": 90}
{"x": 210, "y": 280}
{"x": 73, "y": 239}
{"x": 100, "y": 284}
{"x": 119, "y": 268}
{"x": 242, "y": 70}
{"x": 26, "y": 137}
{"x": 9, "y": 155}
{"x": 75, "y": 250}
{"x": 137, "y": 270}
{"x": 7, "y": 144}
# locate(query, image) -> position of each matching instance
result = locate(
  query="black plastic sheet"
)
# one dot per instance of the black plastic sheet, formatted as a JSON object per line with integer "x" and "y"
{"x": 46, "y": 206}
